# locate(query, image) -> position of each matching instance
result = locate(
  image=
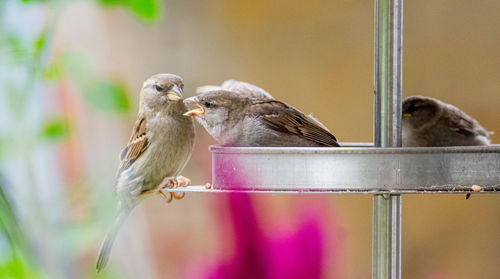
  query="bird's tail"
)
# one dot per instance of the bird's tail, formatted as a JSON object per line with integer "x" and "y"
{"x": 107, "y": 244}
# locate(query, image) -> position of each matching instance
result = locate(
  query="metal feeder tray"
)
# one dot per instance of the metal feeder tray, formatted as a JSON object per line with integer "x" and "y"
{"x": 354, "y": 169}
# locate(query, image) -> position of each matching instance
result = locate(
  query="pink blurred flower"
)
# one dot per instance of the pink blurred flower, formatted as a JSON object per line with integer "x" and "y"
{"x": 288, "y": 255}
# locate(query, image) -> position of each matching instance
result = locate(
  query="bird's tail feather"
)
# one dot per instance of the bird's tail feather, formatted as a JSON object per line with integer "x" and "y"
{"x": 107, "y": 244}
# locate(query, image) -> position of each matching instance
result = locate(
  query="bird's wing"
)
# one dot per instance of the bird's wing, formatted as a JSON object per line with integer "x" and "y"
{"x": 136, "y": 145}
{"x": 283, "y": 118}
{"x": 463, "y": 124}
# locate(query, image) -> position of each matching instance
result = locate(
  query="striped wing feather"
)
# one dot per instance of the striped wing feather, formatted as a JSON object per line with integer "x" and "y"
{"x": 137, "y": 144}
{"x": 286, "y": 119}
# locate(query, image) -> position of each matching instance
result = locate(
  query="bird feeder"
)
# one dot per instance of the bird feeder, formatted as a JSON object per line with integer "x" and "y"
{"x": 383, "y": 169}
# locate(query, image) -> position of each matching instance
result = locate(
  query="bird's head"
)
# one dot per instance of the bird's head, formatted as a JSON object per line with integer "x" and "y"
{"x": 419, "y": 110}
{"x": 217, "y": 110}
{"x": 161, "y": 91}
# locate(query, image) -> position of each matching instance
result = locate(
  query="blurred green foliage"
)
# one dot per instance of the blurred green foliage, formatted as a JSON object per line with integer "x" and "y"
{"x": 100, "y": 93}
{"x": 16, "y": 268}
{"x": 29, "y": 67}
{"x": 55, "y": 128}
{"x": 27, "y": 1}
{"x": 2, "y": 146}
{"x": 14, "y": 47}
{"x": 145, "y": 9}
{"x": 15, "y": 262}
{"x": 108, "y": 95}
{"x": 40, "y": 42}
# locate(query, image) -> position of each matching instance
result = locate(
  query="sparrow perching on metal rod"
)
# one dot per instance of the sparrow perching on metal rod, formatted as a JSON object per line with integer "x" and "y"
{"x": 160, "y": 146}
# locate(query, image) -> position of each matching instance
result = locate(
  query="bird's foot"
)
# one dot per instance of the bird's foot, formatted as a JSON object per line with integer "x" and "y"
{"x": 172, "y": 182}
{"x": 167, "y": 182}
{"x": 181, "y": 182}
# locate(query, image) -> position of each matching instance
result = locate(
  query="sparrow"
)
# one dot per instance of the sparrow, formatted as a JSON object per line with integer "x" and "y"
{"x": 248, "y": 90}
{"x": 160, "y": 146}
{"x": 241, "y": 120}
{"x": 431, "y": 122}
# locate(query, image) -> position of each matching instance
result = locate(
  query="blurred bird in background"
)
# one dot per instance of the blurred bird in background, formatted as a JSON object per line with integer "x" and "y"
{"x": 160, "y": 146}
{"x": 240, "y": 87}
{"x": 431, "y": 122}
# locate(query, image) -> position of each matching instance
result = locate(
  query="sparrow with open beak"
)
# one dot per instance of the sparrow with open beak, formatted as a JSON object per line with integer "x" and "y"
{"x": 247, "y": 90}
{"x": 238, "y": 120}
{"x": 431, "y": 122}
{"x": 161, "y": 144}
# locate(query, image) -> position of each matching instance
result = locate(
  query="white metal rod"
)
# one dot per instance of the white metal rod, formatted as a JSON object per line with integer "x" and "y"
{"x": 386, "y": 239}
{"x": 476, "y": 189}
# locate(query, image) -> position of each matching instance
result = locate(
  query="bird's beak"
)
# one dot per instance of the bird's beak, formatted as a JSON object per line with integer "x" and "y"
{"x": 194, "y": 112}
{"x": 406, "y": 115}
{"x": 174, "y": 94}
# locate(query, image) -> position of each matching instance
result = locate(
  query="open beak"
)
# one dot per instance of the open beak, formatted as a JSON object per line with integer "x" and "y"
{"x": 174, "y": 94}
{"x": 199, "y": 110}
{"x": 406, "y": 115}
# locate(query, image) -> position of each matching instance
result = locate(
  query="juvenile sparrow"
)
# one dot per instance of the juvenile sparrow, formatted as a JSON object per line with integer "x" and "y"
{"x": 160, "y": 146}
{"x": 248, "y": 90}
{"x": 430, "y": 122}
{"x": 237, "y": 120}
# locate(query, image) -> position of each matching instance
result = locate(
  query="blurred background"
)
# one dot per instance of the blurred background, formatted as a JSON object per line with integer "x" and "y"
{"x": 70, "y": 73}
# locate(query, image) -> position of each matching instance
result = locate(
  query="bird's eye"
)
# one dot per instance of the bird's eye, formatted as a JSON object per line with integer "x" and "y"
{"x": 208, "y": 104}
{"x": 158, "y": 87}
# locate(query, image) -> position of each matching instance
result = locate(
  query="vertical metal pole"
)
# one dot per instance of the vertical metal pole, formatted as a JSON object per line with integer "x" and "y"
{"x": 386, "y": 254}
{"x": 386, "y": 242}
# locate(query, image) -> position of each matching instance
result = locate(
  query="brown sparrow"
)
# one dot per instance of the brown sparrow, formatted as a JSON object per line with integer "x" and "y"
{"x": 160, "y": 146}
{"x": 431, "y": 122}
{"x": 238, "y": 120}
{"x": 247, "y": 90}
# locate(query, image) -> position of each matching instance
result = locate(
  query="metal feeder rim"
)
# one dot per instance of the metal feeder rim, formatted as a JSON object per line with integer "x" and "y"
{"x": 353, "y": 150}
